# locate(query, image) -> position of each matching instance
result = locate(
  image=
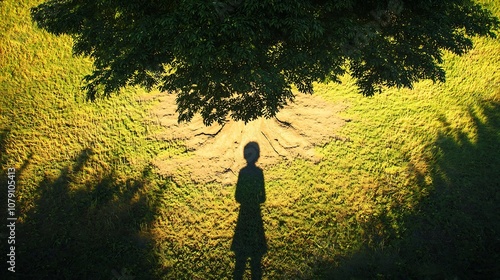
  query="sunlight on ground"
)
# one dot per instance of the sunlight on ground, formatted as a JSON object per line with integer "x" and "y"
{"x": 215, "y": 153}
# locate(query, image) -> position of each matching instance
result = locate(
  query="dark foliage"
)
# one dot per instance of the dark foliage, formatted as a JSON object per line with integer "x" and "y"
{"x": 240, "y": 58}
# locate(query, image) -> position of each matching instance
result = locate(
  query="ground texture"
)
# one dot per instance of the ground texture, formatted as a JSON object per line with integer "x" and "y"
{"x": 215, "y": 153}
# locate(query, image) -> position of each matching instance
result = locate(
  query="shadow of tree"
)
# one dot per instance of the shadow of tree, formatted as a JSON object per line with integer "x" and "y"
{"x": 90, "y": 232}
{"x": 455, "y": 231}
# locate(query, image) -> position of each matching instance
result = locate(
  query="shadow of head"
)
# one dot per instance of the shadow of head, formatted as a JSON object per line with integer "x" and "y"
{"x": 251, "y": 152}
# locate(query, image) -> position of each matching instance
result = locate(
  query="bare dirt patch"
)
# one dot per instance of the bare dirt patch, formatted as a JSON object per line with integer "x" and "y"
{"x": 216, "y": 152}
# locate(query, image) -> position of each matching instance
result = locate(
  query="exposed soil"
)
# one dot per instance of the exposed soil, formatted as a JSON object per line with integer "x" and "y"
{"x": 216, "y": 152}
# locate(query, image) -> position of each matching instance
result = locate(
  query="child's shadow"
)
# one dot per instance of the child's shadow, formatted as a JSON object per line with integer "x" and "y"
{"x": 249, "y": 240}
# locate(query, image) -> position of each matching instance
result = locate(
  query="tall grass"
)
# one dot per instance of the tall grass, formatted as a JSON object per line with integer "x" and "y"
{"x": 412, "y": 191}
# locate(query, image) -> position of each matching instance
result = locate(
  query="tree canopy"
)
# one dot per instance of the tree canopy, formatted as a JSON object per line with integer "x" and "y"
{"x": 241, "y": 58}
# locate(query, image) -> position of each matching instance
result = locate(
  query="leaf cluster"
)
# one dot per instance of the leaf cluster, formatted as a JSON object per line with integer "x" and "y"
{"x": 241, "y": 58}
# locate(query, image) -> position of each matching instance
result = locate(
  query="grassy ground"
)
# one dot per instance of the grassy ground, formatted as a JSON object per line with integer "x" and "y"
{"x": 411, "y": 193}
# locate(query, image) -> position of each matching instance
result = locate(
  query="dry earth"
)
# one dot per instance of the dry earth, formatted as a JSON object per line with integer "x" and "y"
{"x": 215, "y": 153}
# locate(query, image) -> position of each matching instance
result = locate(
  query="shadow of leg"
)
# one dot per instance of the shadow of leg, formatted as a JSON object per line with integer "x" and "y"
{"x": 239, "y": 267}
{"x": 256, "y": 267}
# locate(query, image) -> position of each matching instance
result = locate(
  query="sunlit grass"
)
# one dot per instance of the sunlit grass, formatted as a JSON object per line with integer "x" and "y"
{"x": 408, "y": 165}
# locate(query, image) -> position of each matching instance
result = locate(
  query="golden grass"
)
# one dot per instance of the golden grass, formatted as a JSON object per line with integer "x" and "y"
{"x": 415, "y": 164}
